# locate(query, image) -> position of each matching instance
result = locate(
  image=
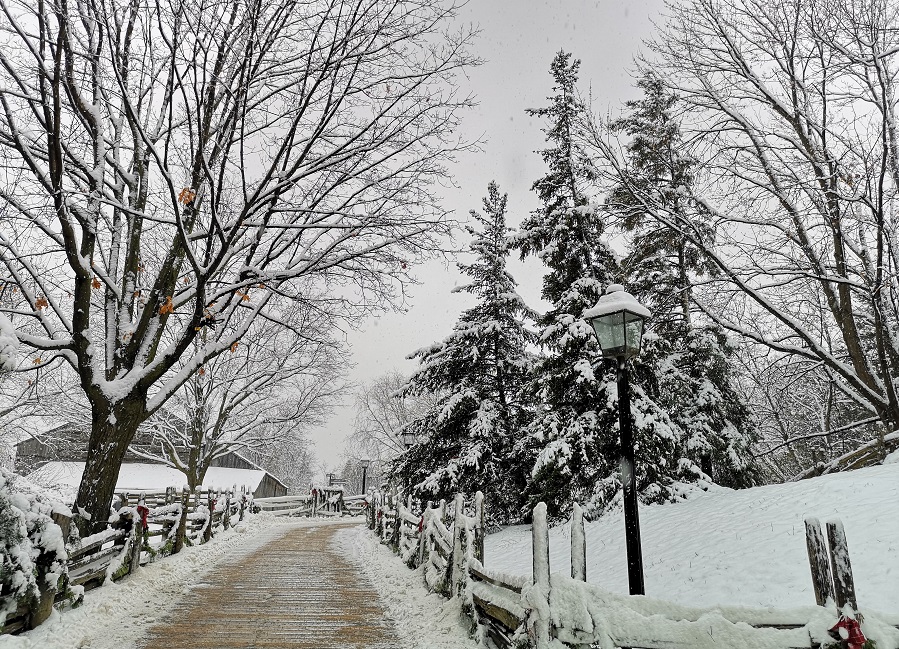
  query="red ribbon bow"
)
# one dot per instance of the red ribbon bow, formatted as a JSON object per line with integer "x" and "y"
{"x": 143, "y": 512}
{"x": 849, "y": 631}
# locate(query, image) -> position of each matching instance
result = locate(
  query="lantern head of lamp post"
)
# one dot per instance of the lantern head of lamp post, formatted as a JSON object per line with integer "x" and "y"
{"x": 408, "y": 440}
{"x": 617, "y": 319}
{"x": 365, "y": 463}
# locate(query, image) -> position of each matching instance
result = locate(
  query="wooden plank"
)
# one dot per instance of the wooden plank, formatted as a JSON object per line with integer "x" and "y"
{"x": 88, "y": 577}
{"x": 844, "y": 585}
{"x": 99, "y": 556}
{"x": 443, "y": 544}
{"x": 817, "y": 559}
{"x": 496, "y": 581}
{"x": 77, "y": 553}
{"x": 495, "y": 612}
{"x": 17, "y": 624}
{"x": 497, "y": 636}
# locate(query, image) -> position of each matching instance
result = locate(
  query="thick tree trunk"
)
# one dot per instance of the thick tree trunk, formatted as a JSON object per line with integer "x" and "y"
{"x": 113, "y": 426}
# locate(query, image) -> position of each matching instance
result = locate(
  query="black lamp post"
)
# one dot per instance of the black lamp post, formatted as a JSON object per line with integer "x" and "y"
{"x": 364, "y": 464}
{"x": 408, "y": 440}
{"x": 617, "y": 320}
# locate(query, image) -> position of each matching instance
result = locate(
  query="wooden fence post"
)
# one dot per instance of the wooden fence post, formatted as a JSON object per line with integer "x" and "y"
{"x": 817, "y": 559}
{"x": 226, "y": 516}
{"x": 844, "y": 585}
{"x": 479, "y": 527}
{"x": 423, "y": 534}
{"x": 540, "y": 545}
{"x": 182, "y": 522}
{"x": 207, "y": 532}
{"x": 578, "y": 544}
{"x": 243, "y": 500}
{"x": 138, "y": 537}
{"x": 458, "y": 531}
{"x": 397, "y": 521}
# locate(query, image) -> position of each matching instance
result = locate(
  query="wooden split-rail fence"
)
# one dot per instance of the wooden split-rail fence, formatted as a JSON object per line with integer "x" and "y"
{"x": 149, "y": 524}
{"x": 321, "y": 501}
{"x": 546, "y": 609}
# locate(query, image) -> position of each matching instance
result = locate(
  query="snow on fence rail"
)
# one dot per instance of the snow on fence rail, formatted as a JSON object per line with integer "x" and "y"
{"x": 321, "y": 501}
{"x": 554, "y": 611}
{"x": 147, "y": 525}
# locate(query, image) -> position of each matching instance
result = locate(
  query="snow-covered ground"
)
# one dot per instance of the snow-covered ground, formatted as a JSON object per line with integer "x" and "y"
{"x": 116, "y": 615}
{"x": 423, "y": 620}
{"x": 743, "y": 548}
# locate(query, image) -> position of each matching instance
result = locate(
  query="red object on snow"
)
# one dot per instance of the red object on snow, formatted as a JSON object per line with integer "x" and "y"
{"x": 421, "y": 524}
{"x": 143, "y": 512}
{"x": 849, "y": 631}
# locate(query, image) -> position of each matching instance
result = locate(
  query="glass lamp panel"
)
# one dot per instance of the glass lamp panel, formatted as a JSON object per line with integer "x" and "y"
{"x": 633, "y": 328}
{"x": 611, "y": 334}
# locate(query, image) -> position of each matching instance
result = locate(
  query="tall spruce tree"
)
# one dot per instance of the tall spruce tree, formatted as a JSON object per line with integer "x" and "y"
{"x": 574, "y": 436}
{"x": 477, "y": 376}
{"x": 686, "y": 365}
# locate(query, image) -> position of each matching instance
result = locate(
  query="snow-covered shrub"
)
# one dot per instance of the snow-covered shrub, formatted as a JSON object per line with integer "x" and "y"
{"x": 32, "y": 546}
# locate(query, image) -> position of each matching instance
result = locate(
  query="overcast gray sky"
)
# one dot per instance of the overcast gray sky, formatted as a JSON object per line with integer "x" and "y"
{"x": 517, "y": 42}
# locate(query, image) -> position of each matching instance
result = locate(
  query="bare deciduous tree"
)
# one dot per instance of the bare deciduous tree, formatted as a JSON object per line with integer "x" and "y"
{"x": 267, "y": 391}
{"x": 789, "y": 112}
{"x": 169, "y": 168}
{"x": 381, "y": 415}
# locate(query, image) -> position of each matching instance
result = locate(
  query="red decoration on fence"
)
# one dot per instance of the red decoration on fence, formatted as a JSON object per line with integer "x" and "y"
{"x": 849, "y": 631}
{"x": 143, "y": 512}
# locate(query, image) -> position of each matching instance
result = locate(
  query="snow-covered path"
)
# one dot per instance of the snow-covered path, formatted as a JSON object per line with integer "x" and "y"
{"x": 318, "y": 583}
{"x": 295, "y": 591}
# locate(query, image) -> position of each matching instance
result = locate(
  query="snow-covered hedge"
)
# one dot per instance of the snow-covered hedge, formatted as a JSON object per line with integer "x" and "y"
{"x": 28, "y": 537}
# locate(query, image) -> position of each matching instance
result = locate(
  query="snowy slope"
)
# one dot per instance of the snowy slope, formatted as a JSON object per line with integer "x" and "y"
{"x": 742, "y": 547}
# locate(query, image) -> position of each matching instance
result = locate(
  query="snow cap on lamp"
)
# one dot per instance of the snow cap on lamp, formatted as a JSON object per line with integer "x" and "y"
{"x": 617, "y": 319}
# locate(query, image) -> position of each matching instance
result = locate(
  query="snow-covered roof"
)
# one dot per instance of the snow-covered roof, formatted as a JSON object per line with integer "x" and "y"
{"x": 134, "y": 477}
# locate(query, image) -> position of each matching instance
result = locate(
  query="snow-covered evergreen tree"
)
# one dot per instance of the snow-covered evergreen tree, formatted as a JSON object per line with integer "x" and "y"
{"x": 686, "y": 366}
{"x": 477, "y": 375}
{"x": 574, "y": 436}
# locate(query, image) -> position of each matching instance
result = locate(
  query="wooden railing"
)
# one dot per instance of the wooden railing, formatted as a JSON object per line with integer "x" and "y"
{"x": 322, "y": 501}
{"x": 548, "y": 610}
{"x": 148, "y": 525}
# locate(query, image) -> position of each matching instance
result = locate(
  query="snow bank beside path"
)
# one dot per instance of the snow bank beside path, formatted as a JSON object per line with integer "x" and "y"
{"x": 115, "y": 616}
{"x": 423, "y": 620}
{"x": 738, "y": 548}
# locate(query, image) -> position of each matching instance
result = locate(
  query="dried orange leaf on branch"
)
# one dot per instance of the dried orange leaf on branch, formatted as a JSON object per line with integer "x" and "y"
{"x": 187, "y": 196}
{"x": 167, "y": 306}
